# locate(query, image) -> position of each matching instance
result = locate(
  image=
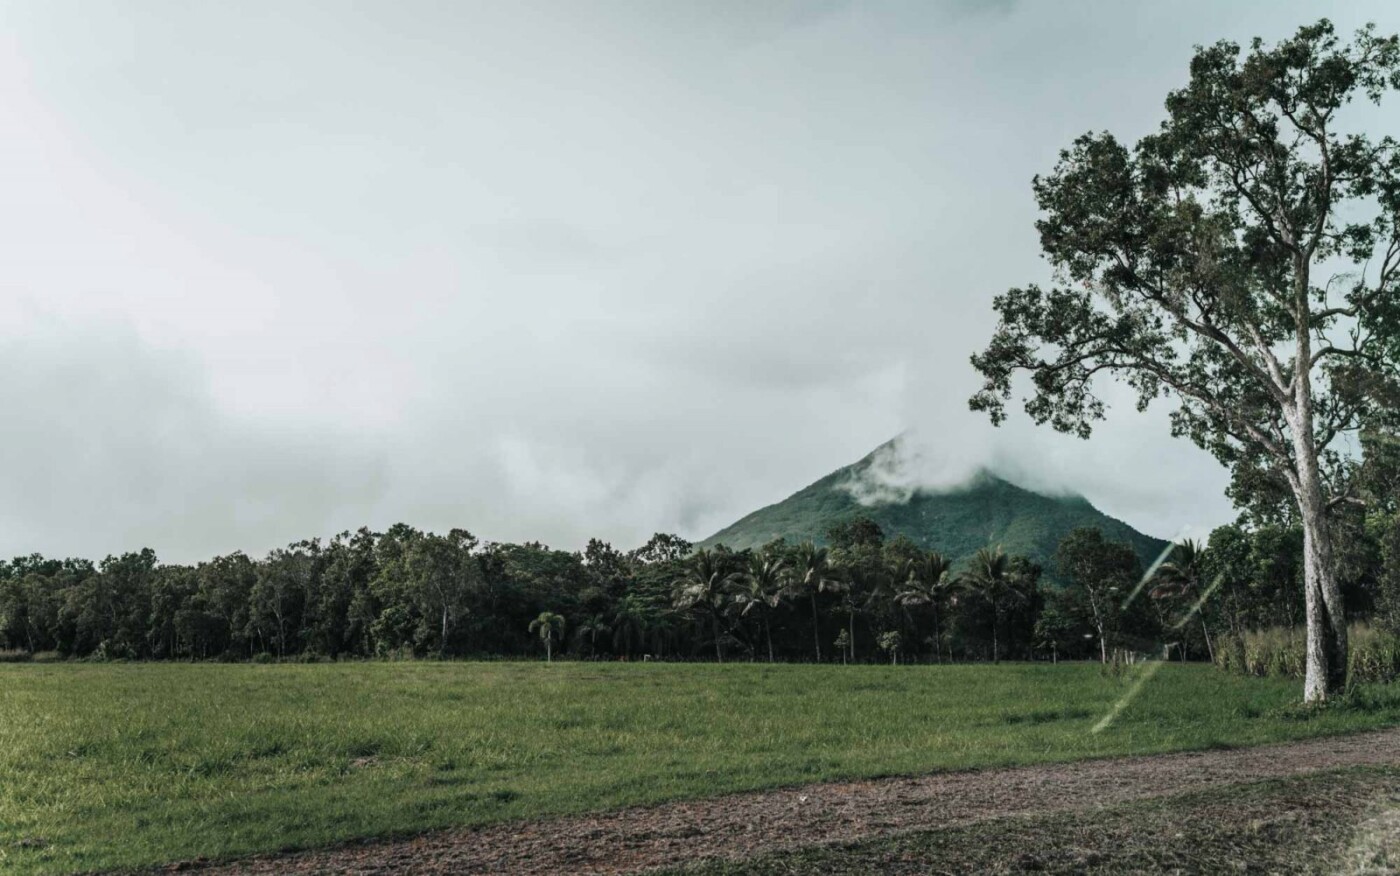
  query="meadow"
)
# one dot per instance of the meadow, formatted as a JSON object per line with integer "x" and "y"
{"x": 126, "y": 765}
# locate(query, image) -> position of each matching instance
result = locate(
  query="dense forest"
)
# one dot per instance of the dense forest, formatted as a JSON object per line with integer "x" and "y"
{"x": 861, "y": 597}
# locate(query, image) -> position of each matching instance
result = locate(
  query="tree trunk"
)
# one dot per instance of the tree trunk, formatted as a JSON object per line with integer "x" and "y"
{"x": 1327, "y": 627}
{"x": 1326, "y": 619}
{"x": 442, "y": 641}
{"x": 853, "y": 634}
{"x": 1205, "y": 632}
{"x": 548, "y": 650}
{"x": 719, "y": 654}
{"x": 768, "y": 634}
{"x": 816, "y": 627}
{"x": 937, "y": 635}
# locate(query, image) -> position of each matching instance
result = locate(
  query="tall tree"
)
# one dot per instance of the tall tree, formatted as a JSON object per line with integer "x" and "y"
{"x": 588, "y": 631}
{"x": 441, "y": 571}
{"x": 633, "y": 619}
{"x": 706, "y": 586}
{"x": 1181, "y": 578}
{"x": 548, "y": 626}
{"x": 994, "y": 578}
{"x": 863, "y": 575}
{"x": 760, "y": 590}
{"x": 1102, "y": 574}
{"x": 928, "y": 580}
{"x": 811, "y": 575}
{"x": 1188, "y": 266}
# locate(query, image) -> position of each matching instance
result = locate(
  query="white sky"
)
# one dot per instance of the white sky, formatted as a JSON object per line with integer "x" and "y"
{"x": 542, "y": 270}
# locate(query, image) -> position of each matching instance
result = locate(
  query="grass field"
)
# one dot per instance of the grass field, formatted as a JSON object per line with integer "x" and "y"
{"x": 112, "y": 765}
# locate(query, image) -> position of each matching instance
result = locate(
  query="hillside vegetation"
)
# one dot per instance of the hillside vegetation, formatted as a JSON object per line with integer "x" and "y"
{"x": 986, "y": 511}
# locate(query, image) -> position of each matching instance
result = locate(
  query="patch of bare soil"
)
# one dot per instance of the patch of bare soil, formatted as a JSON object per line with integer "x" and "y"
{"x": 741, "y": 826}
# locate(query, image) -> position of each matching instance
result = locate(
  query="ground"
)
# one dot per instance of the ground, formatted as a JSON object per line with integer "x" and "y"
{"x": 1272, "y": 808}
{"x": 126, "y": 766}
{"x": 1321, "y": 824}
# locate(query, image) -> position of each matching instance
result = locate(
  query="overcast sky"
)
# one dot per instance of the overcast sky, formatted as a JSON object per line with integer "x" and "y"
{"x": 542, "y": 270}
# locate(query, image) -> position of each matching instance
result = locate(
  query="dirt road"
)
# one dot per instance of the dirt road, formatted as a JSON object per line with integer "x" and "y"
{"x": 743, "y": 825}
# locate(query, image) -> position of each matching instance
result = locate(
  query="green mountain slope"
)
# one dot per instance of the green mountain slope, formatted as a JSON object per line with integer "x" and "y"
{"x": 986, "y": 511}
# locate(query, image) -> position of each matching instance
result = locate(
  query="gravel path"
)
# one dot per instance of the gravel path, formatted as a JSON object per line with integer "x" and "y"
{"x": 743, "y": 825}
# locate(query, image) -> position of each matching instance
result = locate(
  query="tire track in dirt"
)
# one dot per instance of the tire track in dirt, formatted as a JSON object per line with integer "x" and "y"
{"x": 743, "y": 825}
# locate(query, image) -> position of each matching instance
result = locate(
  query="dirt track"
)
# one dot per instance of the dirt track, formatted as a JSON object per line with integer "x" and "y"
{"x": 742, "y": 825}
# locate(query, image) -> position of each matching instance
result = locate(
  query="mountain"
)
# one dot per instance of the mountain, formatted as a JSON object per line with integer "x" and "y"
{"x": 987, "y": 510}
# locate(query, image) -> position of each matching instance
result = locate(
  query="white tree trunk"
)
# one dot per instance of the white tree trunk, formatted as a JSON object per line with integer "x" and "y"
{"x": 1326, "y": 646}
{"x": 1326, "y": 620}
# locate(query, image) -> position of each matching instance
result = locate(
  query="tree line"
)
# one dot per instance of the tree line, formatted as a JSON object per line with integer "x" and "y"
{"x": 862, "y": 597}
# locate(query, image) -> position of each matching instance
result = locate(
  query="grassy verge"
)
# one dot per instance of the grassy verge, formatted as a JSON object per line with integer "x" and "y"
{"x": 1331, "y": 823}
{"x": 125, "y": 765}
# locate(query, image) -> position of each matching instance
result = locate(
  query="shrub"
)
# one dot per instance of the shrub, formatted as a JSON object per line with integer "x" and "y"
{"x": 14, "y": 656}
{"x": 1374, "y": 656}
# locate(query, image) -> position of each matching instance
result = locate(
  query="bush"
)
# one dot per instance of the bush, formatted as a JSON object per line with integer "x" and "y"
{"x": 14, "y": 656}
{"x": 1374, "y": 656}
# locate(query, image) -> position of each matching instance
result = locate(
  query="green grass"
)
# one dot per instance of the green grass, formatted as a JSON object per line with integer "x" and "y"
{"x": 125, "y": 765}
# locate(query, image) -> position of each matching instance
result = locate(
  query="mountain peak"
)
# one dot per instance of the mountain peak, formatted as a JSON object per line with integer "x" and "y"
{"x": 957, "y": 519}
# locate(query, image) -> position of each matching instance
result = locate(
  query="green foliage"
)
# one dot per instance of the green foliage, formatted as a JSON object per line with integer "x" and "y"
{"x": 996, "y": 579}
{"x": 1101, "y": 577}
{"x": 405, "y": 593}
{"x": 890, "y": 643}
{"x": 957, "y": 522}
{"x": 1190, "y": 267}
{"x": 1387, "y": 614}
{"x": 1278, "y": 652}
{"x": 548, "y": 626}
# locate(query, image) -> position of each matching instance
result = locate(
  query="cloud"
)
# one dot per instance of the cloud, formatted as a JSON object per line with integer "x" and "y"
{"x": 544, "y": 271}
{"x": 111, "y": 445}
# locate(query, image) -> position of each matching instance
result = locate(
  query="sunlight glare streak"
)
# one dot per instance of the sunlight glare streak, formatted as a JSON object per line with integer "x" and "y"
{"x": 1151, "y": 669}
{"x": 1148, "y": 671}
{"x": 1156, "y": 564}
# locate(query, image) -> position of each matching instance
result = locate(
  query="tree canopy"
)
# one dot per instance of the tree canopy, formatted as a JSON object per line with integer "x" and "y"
{"x": 1241, "y": 261}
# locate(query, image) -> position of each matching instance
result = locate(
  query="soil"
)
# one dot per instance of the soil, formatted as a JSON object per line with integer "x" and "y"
{"x": 741, "y": 826}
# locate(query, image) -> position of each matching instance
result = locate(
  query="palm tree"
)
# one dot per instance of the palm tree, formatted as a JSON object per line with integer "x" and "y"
{"x": 928, "y": 580}
{"x": 548, "y": 625}
{"x": 761, "y": 590}
{"x": 843, "y": 644}
{"x": 706, "y": 584}
{"x": 811, "y": 574}
{"x": 992, "y": 577}
{"x": 1180, "y": 579}
{"x": 860, "y": 584}
{"x": 590, "y": 628}
{"x": 890, "y": 643}
{"x": 632, "y": 620}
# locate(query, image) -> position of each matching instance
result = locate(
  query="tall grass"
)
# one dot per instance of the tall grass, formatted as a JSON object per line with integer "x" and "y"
{"x": 106, "y": 766}
{"x": 1279, "y": 652}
